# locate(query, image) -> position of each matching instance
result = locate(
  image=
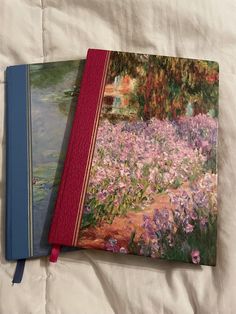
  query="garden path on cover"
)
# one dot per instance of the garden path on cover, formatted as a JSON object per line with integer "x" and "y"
{"x": 122, "y": 226}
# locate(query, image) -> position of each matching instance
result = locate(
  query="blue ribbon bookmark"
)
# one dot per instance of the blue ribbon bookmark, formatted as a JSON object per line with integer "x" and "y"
{"x": 19, "y": 271}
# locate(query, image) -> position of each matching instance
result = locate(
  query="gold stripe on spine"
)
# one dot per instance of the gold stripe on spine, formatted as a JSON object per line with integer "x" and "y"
{"x": 93, "y": 137}
{"x": 92, "y": 146}
{"x": 90, "y": 156}
{"x": 29, "y": 162}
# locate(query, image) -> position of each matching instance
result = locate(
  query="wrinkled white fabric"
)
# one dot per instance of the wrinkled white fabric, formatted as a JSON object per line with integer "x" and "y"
{"x": 95, "y": 282}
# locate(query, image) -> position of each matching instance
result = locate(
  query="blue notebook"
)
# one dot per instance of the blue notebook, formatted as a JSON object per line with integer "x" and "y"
{"x": 41, "y": 100}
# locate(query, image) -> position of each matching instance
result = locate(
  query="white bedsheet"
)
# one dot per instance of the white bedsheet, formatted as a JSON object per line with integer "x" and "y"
{"x": 94, "y": 282}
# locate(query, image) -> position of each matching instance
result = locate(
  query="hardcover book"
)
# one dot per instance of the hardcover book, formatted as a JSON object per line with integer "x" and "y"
{"x": 140, "y": 176}
{"x": 41, "y": 100}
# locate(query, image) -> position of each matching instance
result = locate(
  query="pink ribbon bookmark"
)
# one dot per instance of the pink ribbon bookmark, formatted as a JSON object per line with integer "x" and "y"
{"x": 54, "y": 253}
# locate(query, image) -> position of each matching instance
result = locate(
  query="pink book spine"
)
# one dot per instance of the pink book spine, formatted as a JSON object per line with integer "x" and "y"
{"x": 69, "y": 206}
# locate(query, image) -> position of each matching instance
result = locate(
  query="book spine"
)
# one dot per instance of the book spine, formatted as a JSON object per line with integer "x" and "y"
{"x": 69, "y": 206}
{"x": 18, "y": 240}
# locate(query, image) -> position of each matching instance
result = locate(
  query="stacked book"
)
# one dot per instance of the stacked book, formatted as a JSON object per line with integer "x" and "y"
{"x": 117, "y": 152}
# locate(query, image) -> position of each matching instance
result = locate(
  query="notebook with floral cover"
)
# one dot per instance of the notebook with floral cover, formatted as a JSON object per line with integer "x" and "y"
{"x": 140, "y": 176}
{"x": 41, "y": 100}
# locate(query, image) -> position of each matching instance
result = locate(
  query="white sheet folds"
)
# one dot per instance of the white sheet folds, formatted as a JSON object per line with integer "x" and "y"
{"x": 100, "y": 283}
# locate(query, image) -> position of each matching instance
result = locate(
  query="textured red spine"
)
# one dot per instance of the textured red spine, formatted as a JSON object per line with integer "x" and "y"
{"x": 65, "y": 217}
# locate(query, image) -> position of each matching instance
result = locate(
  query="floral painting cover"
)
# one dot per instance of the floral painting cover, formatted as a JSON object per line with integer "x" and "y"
{"x": 140, "y": 175}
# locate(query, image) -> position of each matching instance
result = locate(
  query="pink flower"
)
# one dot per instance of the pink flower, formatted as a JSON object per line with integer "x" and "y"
{"x": 188, "y": 228}
{"x": 122, "y": 185}
{"x": 101, "y": 196}
{"x": 204, "y": 144}
{"x": 116, "y": 203}
{"x": 87, "y": 210}
{"x": 123, "y": 250}
{"x": 195, "y": 254}
{"x": 138, "y": 174}
{"x": 112, "y": 246}
{"x": 203, "y": 222}
{"x": 193, "y": 215}
{"x": 211, "y": 78}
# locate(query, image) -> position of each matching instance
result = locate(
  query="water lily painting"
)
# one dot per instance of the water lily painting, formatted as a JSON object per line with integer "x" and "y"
{"x": 152, "y": 188}
{"x": 54, "y": 92}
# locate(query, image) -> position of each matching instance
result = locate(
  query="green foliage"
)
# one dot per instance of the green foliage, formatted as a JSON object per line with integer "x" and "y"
{"x": 44, "y": 175}
{"x": 165, "y": 85}
{"x": 203, "y": 239}
{"x": 63, "y": 78}
{"x": 47, "y": 74}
